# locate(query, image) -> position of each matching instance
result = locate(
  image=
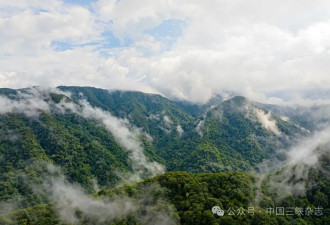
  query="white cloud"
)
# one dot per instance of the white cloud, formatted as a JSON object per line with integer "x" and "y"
{"x": 31, "y": 106}
{"x": 308, "y": 151}
{"x": 199, "y": 127}
{"x": 180, "y": 130}
{"x": 294, "y": 171}
{"x": 167, "y": 120}
{"x": 32, "y": 29}
{"x": 127, "y": 136}
{"x": 70, "y": 198}
{"x": 261, "y": 50}
{"x": 37, "y": 100}
{"x": 130, "y": 18}
{"x": 267, "y": 122}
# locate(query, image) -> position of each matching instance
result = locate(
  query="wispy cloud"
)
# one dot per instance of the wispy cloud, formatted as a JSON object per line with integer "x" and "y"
{"x": 74, "y": 205}
{"x": 38, "y": 100}
{"x": 267, "y": 122}
{"x": 293, "y": 175}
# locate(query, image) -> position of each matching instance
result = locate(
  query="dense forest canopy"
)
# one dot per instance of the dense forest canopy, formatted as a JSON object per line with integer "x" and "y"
{"x": 151, "y": 160}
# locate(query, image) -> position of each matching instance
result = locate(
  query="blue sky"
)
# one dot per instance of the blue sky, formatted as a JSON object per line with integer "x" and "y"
{"x": 166, "y": 32}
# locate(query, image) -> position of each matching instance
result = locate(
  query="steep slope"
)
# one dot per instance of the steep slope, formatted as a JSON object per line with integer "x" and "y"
{"x": 56, "y": 127}
{"x": 233, "y": 135}
{"x": 36, "y": 132}
{"x": 220, "y": 135}
{"x": 245, "y": 132}
{"x": 103, "y": 137}
{"x": 147, "y": 111}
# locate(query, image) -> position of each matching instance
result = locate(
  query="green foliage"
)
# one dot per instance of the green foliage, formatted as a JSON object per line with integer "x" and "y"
{"x": 83, "y": 149}
{"x": 227, "y": 131}
{"x": 229, "y": 139}
{"x": 192, "y": 197}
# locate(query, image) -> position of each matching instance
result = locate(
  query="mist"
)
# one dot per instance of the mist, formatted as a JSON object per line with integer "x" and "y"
{"x": 71, "y": 201}
{"x": 74, "y": 205}
{"x": 126, "y": 134}
{"x": 71, "y": 198}
{"x": 291, "y": 178}
{"x": 30, "y": 106}
{"x": 267, "y": 122}
{"x": 180, "y": 130}
{"x": 37, "y": 100}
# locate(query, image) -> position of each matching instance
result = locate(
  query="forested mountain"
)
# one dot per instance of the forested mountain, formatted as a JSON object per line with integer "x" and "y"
{"x": 101, "y": 139}
{"x": 192, "y": 137}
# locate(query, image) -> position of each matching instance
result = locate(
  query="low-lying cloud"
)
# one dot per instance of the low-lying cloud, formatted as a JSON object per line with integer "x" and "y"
{"x": 37, "y": 100}
{"x": 71, "y": 198}
{"x": 180, "y": 130}
{"x": 293, "y": 171}
{"x": 126, "y": 135}
{"x": 74, "y": 205}
{"x": 267, "y": 122}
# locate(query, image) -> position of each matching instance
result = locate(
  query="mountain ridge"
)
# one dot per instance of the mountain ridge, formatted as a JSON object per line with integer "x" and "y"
{"x": 101, "y": 138}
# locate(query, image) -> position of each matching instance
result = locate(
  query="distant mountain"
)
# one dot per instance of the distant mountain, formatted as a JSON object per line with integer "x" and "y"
{"x": 222, "y": 135}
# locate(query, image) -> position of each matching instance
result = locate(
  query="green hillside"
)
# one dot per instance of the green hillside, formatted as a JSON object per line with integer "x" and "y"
{"x": 101, "y": 139}
{"x": 229, "y": 138}
{"x": 192, "y": 197}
